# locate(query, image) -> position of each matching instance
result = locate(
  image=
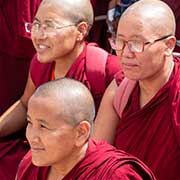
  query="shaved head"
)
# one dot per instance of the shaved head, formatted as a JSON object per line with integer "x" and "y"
{"x": 70, "y": 98}
{"x": 76, "y": 10}
{"x": 155, "y": 14}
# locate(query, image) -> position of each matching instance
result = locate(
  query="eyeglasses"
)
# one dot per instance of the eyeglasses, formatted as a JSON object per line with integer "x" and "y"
{"x": 136, "y": 46}
{"x": 35, "y": 27}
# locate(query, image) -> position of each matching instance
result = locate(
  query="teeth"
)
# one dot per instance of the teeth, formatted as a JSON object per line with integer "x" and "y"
{"x": 42, "y": 46}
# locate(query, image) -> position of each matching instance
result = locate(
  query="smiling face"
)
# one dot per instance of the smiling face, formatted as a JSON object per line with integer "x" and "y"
{"x": 59, "y": 44}
{"x": 51, "y": 138}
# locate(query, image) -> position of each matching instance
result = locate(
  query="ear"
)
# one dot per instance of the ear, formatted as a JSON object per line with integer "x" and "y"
{"x": 82, "y": 133}
{"x": 83, "y": 30}
{"x": 170, "y": 45}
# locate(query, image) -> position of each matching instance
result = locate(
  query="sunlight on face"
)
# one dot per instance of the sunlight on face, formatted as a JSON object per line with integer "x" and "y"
{"x": 143, "y": 65}
{"x": 58, "y": 43}
{"x": 51, "y": 138}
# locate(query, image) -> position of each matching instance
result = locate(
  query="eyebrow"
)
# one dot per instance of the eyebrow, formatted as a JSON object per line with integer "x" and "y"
{"x": 36, "y": 19}
{"x": 131, "y": 37}
{"x": 40, "y": 120}
{"x": 47, "y": 20}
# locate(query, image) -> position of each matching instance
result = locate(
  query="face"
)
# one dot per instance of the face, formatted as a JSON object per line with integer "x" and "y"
{"x": 145, "y": 65}
{"x": 51, "y": 139}
{"x": 58, "y": 44}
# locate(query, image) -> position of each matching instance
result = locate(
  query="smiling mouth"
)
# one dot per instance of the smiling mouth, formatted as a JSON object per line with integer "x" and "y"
{"x": 41, "y": 48}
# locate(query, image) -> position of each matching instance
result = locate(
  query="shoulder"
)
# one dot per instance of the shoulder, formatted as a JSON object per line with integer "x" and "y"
{"x": 40, "y": 72}
{"x": 125, "y": 172}
{"x": 129, "y": 167}
{"x": 24, "y": 166}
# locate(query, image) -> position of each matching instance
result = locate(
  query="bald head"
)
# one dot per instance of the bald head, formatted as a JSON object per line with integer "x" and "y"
{"x": 76, "y": 10}
{"x": 155, "y": 14}
{"x": 71, "y": 99}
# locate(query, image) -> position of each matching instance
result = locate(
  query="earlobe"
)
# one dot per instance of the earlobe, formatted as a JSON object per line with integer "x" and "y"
{"x": 82, "y": 133}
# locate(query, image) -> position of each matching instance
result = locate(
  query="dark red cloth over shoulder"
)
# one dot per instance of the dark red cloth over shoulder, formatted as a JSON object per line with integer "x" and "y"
{"x": 102, "y": 161}
{"x": 152, "y": 133}
{"x": 41, "y": 73}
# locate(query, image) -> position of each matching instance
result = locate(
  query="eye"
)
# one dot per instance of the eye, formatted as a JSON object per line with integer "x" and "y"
{"x": 29, "y": 123}
{"x": 35, "y": 24}
{"x": 44, "y": 126}
{"x": 49, "y": 26}
{"x": 136, "y": 45}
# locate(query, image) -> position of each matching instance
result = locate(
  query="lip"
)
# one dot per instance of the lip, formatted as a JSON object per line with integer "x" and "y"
{"x": 129, "y": 65}
{"x": 40, "y": 48}
{"x": 37, "y": 149}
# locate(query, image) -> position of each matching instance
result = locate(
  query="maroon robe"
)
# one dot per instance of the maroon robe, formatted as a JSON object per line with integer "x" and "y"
{"x": 101, "y": 162}
{"x": 41, "y": 73}
{"x": 16, "y": 48}
{"x": 175, "y": 6}
{"x": 16, "y": 51}
{"x": 152, "y": 133}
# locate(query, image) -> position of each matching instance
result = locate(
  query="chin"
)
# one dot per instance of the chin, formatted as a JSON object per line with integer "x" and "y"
{"x": 43, "y": 59}
{"x": 132, "y": 76}
{"x": 39, "y": 162}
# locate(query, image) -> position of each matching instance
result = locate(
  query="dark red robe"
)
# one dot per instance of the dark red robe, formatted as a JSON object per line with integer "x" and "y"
{"x": 152, "y": 133}
{"x": 101, "y": 162}
{"x": 16, "y": 48}
{"x": 16, "y": 51}
{"x": 41, "y": 73}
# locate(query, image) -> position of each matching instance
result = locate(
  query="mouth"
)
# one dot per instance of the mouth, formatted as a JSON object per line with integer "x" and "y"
{"x": 129, "y": 65}
{"x": 37, "y": 149}
{"x": 41, "y": 48}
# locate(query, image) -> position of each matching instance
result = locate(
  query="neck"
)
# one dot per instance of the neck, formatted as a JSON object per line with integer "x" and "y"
{"x": 61, "y": 169}
{"x": 149, "y": 87}
{"x": 63, "y": 64}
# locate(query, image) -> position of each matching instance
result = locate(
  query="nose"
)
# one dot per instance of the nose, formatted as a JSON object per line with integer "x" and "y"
{"x": 32, "y": 135}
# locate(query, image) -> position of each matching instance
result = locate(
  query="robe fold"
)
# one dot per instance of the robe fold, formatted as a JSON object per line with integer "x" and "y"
{"x": 12, "y": 149}
{"x": 152, "y": 133}
{"x": 16, "y": 51}
{"x": 41, "y": 73}
{"x": 16, "y": 48}
{"x": 101, "y": 162}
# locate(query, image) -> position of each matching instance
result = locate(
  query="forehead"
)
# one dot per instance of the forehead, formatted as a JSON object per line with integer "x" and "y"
{"x": 55, "y": 12}
{"x": 131, "y": 26}
{"x": 43, "y": 107}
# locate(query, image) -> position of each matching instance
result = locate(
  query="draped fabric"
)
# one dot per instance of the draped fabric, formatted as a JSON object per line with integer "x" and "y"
{"x": 152, "y": 133}
{"x": 101, "y": 161}
{"x": 16, "y": 51}
{"x": 13, "y": 14}
{"x": 41, "y": 73}
{"x": 16, "y": 48}
{"x": 12, "y": 149}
